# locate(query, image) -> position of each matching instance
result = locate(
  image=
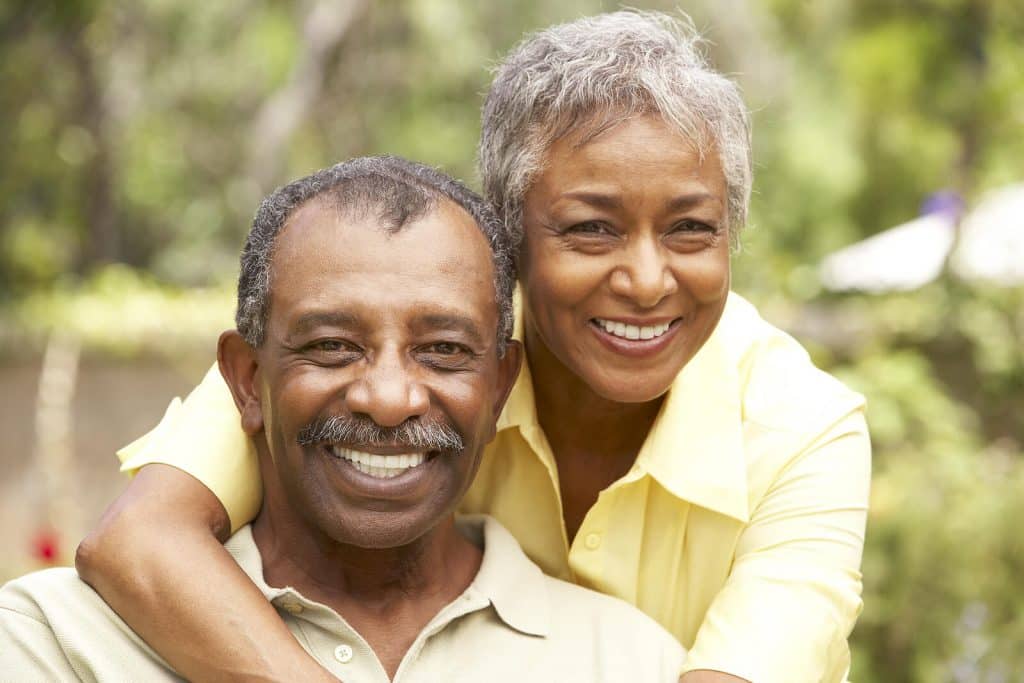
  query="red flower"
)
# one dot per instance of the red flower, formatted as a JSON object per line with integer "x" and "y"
{"x": 46, "y": 546}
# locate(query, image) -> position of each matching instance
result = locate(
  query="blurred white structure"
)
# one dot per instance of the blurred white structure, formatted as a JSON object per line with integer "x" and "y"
{"x": 990, "y": 247}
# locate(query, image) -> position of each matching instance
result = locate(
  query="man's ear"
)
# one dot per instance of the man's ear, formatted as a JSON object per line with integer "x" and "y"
{"x": 508, "y": 371}
{"x": 239, "y": 366}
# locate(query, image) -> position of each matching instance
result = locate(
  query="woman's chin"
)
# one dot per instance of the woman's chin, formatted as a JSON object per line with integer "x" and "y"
{"x": 630, "y": 388}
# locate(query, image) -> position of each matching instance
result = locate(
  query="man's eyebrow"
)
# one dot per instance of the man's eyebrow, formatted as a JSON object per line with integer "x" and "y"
{"x": 314, "y": 319}
{"x": 450, "y": 321}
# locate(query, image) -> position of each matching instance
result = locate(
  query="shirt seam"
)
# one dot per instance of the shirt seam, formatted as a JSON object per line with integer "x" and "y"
{"x": 19, "y": 613}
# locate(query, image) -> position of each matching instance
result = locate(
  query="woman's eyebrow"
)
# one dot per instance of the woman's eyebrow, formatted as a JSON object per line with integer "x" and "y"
{"x": 604, "y": 200}
{"x": 600, "y": 200}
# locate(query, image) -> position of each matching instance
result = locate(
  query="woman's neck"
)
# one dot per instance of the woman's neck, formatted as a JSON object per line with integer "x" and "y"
{"x": 594, "y": 440}
{"x": 575, "y": 419}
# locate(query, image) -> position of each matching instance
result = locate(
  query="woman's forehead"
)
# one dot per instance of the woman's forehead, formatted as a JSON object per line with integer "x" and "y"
{"x": 640, "y": 147}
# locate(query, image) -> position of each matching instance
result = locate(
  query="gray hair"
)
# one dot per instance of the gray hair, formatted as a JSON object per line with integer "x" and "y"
{"x": 397, "y": 192}
{"x": 587, "y": 76}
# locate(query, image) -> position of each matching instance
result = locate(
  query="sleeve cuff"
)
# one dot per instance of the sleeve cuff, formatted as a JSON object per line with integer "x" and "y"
{"x": 203, "y": 437}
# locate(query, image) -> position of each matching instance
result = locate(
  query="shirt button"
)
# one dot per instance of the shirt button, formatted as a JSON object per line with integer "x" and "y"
{"x": 592, "y": 541}
{"x": 343, "y": 653}
{"x": 293, "y": 607}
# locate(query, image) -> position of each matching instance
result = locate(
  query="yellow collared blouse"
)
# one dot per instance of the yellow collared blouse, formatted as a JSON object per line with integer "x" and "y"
{"x": 739, "y": 528}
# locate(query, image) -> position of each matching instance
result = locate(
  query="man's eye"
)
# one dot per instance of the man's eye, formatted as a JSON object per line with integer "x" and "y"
{"x": 329, "y": 345}
{"x": 445, "y": 348}
{"x": 446, "y": 356}
{"x": 331, "y": 351}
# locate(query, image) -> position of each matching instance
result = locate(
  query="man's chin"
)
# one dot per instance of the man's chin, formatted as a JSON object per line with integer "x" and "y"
{"x": 379, "y": 530}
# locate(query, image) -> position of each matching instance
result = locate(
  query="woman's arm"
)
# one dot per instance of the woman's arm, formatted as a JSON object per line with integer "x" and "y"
{"x": 156, "y": 558}
{"x": 793, "y": 593}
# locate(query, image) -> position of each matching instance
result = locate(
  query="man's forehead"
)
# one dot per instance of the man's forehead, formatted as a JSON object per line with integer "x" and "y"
{"x": 321, "y": 219}
{"x": 325, "y": 258}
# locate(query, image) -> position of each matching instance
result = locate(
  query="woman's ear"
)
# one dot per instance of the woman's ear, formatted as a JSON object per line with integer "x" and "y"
{"x": 239, "y": 366}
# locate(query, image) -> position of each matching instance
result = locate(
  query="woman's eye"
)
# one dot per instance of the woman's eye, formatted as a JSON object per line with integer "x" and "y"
{"x": 691, "y": 226}
{"x": 589, "y": 228}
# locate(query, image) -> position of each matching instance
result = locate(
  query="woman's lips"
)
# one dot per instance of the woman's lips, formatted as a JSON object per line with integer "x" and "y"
{"x": 631, "y": 331}
{"x": 635, "y": 338}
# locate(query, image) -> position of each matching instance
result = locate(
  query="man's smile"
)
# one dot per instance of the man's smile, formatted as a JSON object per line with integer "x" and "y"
{"x": 377, "y": 465}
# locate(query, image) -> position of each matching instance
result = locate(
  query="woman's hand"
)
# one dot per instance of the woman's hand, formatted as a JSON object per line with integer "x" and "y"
{"x": 156, "y": 558}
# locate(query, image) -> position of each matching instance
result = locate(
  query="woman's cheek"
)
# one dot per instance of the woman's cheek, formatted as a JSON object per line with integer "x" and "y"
{"x": 706, "y": 278}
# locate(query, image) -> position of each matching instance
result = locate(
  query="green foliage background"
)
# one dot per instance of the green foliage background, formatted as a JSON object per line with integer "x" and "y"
{"x": 139, "y": 136}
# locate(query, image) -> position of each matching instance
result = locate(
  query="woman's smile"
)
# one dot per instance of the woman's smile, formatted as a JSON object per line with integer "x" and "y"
{"x": 635, "y": 338}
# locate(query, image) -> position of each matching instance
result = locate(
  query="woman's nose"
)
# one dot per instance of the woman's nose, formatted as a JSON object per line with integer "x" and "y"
{"x": 644, "y": 276}
{"x": 388, "y": 393}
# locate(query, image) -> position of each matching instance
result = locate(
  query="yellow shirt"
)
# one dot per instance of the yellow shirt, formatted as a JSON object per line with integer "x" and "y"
{"x": 739, "y": 528}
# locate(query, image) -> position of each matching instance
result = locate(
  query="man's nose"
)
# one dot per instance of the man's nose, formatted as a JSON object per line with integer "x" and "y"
{"x": 388, "y": 393}
{"x": 644, "y": 277}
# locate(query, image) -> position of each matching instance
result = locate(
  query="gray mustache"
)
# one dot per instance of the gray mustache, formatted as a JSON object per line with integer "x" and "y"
{"x": 414, "y": 434}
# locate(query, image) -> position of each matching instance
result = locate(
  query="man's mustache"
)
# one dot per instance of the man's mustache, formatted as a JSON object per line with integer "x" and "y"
{"x": 415, "y": 434}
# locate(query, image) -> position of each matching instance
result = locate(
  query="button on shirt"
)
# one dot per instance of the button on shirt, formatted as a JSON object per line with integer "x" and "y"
{"x": 512, "y": 623}
{"x": 739, "y": 529}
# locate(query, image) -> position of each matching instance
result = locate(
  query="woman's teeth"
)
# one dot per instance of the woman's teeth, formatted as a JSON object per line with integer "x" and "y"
{"x": 632, "y": 331}
{"x": 380, "y": 466}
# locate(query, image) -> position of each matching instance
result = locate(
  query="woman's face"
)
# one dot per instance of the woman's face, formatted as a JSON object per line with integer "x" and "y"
{"x": 625, "y": 259}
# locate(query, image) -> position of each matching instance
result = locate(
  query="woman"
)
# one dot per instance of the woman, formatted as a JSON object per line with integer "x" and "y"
{"x": 663, "y": 443}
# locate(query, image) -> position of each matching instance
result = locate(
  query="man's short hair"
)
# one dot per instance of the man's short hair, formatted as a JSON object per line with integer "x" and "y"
{"x": 395, "y": 192}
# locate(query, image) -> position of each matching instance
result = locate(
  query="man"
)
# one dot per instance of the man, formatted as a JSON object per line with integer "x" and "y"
{"x": 370, "y": 363}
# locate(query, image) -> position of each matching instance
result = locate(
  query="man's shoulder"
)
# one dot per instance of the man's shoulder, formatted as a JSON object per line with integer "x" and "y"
{"x": 61, "y": 602}
{"x": 610, "y": 635}
{"x": 51, "y": 620}
{"x": 606, "y": 615}
{"x": 584, "y": 631}
{"x": 33, "y": 594}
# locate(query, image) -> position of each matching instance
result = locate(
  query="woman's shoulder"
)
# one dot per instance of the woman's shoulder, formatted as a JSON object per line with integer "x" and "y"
{"x": 780, "y": 386}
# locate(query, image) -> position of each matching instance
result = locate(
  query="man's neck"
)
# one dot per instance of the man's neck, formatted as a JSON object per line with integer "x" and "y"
{"x": 324, "y": 569}
{"x": 388, "y": 595}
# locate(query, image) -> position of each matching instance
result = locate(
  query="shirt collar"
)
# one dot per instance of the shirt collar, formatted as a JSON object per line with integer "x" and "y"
{"x": 695, "y": 447}
{"x": 513, "y": 584}
{"x": 243, "y": 548}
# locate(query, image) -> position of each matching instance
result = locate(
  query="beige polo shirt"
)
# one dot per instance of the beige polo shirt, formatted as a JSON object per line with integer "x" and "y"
{"x": 513, "y": 623}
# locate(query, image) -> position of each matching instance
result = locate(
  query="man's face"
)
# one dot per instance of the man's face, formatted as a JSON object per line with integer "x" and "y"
{"x": 380, "y": 355}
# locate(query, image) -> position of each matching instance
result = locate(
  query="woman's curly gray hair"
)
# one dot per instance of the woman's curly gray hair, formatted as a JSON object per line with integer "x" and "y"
{"x": 588, "y": 75}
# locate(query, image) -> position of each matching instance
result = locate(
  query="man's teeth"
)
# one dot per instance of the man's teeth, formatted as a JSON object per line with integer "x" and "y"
{"x": 633, "y": 331}
{"x": 380, "y": 466}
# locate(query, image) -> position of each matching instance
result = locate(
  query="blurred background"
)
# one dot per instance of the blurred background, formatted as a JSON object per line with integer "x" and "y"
{"x": 138, "y": 138}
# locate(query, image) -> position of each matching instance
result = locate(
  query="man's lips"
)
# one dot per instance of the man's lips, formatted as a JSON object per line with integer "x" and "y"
{"x": 373, "y": 483}
{"x": 384, "y": 466}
